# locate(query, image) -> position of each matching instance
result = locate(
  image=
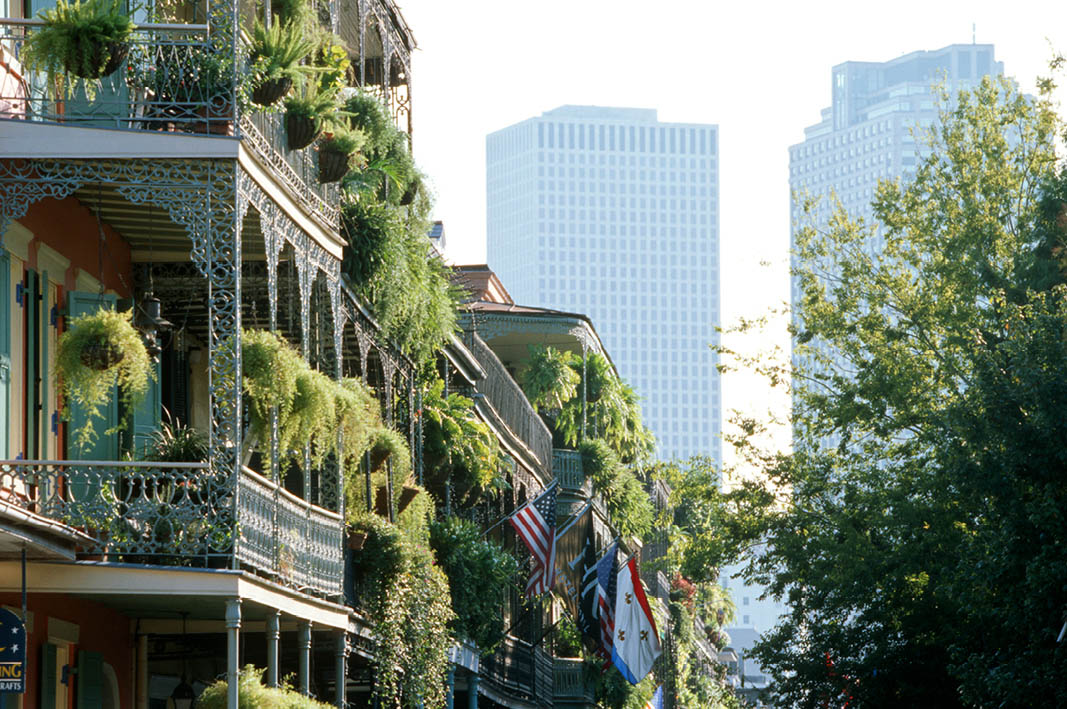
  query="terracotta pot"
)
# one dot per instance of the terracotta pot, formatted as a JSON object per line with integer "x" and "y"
{"x": 301, "y": 131}
{"x": 215, "y": 122}
{"x": 271, "y": 91}
{"x": 356, "y": 540}
{"x": 332, "y": 165}
{"x": 101, "y": 354}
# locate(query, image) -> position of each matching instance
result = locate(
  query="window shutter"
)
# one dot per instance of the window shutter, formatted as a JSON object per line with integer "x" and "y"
{"x": 48, "y": 676}
{"x": 90, "y": 680}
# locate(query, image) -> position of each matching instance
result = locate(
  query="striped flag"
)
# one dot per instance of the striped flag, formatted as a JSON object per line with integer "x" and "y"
{"x": 607, "y": 570}
{"x": 535, "y": 523}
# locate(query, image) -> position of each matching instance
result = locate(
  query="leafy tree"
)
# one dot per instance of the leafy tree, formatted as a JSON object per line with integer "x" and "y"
{"x": 922, "y": 558}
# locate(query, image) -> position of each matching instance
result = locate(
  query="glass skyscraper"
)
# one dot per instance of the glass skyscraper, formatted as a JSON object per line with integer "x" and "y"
{"x": 611, "y": 213}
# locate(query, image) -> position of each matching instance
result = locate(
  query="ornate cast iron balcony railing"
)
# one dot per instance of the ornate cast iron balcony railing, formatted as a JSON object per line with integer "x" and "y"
{"x": 567, "y": 468}
{"x": 170, "y": 81}
{"x": 179, "y": 514}
{"x": 509, "y": 402}
{"x": 569, "y": 681}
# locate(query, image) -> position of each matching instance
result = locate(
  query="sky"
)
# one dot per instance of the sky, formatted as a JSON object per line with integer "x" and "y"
{"x": 759, "y": 70}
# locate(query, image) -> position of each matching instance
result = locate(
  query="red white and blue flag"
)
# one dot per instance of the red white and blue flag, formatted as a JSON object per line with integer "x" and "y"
{"x": 636, "y": 643}
{"x": 535, "y": 523}
{"x": 607, "y": 570}
{"x": 656, "y": 702}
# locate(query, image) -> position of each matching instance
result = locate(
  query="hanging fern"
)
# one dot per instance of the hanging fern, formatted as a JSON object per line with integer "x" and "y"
{"x": 89, "y": 387}
{"x": 550, "y": 378}
{"x": 457, "y": 447}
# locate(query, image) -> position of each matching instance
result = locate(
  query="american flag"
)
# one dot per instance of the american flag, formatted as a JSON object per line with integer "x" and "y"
{"x": 607, "y": 571}
{"x": 535, "y": 524}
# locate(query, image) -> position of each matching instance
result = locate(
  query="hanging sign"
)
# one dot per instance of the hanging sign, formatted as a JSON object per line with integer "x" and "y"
{"x": 12, "y": 653}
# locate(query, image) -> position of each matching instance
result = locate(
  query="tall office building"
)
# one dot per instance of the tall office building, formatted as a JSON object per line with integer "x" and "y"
{"x": 874, "y": 128}
{"x": 608, "y": 212}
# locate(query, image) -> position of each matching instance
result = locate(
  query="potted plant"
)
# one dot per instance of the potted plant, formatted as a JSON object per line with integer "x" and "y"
{"x": 87, "y": 40}
{"x": 307, "y": 112}
{"x": 335, "y": 153}
{"x": 97, "y": 352}
{"x": 275, "y": 58}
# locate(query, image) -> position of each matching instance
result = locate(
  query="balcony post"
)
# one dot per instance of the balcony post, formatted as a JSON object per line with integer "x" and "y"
{"x": 305, "y": 657}
{"x": 142, "y": 671}
{"x": 472, "y": 691}
{"x": 585, "y": 389}
{"x": 340, "y": 670}
{"x": 450, "y": 693}
{"x": 274, "y": 632}
{"x": 233, "y": 627}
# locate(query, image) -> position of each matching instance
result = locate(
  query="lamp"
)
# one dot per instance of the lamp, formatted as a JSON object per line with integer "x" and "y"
{"x": 183, "y": 695}
{"x": 150, "y": 322}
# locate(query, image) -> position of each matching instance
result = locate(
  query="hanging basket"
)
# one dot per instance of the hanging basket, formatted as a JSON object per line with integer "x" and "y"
{"x": 103, "y": 61}
{"x": 271, "y": 91}
{"x": 410, "y": 193}
{"x": 333, "y": 165}
{"x": 301, "y": 131}
{"x": 101, "y": 354}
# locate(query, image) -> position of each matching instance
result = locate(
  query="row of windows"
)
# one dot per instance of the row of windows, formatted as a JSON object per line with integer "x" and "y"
{"x": 612, "y": 174}
{"x": 651, "y": 139}
{"x": 562, "y": 157}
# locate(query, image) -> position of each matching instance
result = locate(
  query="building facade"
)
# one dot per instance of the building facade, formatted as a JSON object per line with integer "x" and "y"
{"x": 610, "y": 212}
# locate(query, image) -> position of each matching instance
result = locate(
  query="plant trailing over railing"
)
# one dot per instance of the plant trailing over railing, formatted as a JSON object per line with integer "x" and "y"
{"x": 480, "y": 573}
{"x": 275, "y": 59}
{"x": 312, "y": 408}
{"x": 458, "y": 448}
{"x": 84, "y": 40}
{"x": 391, "y": 175}
{"x": 97, "y": 352}
{"x": 253, "y": 695}
{"x": 629, "y": 508}
{"x": 406, "y": 596}
{"x": 550, "y": 379}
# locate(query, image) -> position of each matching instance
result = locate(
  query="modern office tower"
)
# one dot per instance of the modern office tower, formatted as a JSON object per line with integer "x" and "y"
{"x": 874, "y": 128}
{"x": 609, "y": 212}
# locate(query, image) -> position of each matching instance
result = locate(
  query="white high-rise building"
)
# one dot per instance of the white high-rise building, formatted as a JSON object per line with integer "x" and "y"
{"x": 609, "y": 212}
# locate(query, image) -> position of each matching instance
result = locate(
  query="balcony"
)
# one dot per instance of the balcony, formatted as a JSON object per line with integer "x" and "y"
{"x": 162, "y": 84}
{"x": 567, "y": 469}
{"x": 178, "y": 514}
{"x": 570, "y": 688}
{"x": 517, "y": 669}
{"x": 509, "y": 404}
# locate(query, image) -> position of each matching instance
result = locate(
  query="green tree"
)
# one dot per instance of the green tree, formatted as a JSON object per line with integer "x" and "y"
{"x": 922, "y": 558}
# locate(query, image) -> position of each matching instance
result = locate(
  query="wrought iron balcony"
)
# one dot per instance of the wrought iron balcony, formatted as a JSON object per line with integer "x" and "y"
{"x": 509, "y": 402}
{"x": 570, "y": 686}
{"x": 171, "y": 80}
{"x": 179, "y": 514}
{"x": 567, "y": 469}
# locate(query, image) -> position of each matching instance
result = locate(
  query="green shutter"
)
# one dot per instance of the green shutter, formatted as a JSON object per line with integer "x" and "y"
{"x": 5, "y": 354}
{"x": 146, "y": 417}
{"x": 90, "y": 680}
{"x": 103, "y": 447}
{"x": 48, "y": 676}
{"x": 33, "y": 364}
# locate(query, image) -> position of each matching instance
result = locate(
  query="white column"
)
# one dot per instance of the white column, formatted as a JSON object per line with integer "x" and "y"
{"x": 274, "y": 632}
{"x": 142, "y": 672}
{"x": 233, "y": 626}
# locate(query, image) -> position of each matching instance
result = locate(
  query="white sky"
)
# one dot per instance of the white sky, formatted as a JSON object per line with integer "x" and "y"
{"x": 759, "y": 70}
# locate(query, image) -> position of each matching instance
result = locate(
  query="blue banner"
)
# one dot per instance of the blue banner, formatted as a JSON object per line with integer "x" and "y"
{"x": 12, "y": 653}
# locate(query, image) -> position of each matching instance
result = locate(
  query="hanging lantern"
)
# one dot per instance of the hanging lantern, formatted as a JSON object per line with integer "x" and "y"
{"x": 150, "y": 322}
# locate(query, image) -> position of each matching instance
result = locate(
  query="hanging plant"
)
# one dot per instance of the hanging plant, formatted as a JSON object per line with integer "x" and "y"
{"x": 84, "y": 40}
{"x": 336, "y": 150}
{"x": 275, "y": 59}
{"x": 97, "y": 352}
{"x": 307, "y": 112}
{"x": 269, "y": 368}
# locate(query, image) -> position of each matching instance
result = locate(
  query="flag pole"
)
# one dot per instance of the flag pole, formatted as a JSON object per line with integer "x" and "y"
{"x": 506, "y": 517}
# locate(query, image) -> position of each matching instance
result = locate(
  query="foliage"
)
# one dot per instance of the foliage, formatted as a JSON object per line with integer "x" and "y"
{"x": 76, "y": 41}
{"x": 90, "y": 388}
{"x": 312, "y": 408}
{"x": 278, "y": 50}
{"x": 628, "y": 505}
{"x": 611, "y": 412}
{"x": 177, "y": 443}
{"x": 197, "y": 75}
{"x": 406, "y": 597}
{"x": 252, "y": 694}
{"x": 458, "y": 448}
{"x": 369, "y": 227}
{"x": 410, "y": 293}
{"x": 912, "y": 552}
{"x": 369, "y": 115}
{"x": 342, "y": 140}
{"x": 331, "y": 58}
{"x": 480, "y": 573}
{"x": 550, "y": 379}
{"x": 391, "y": 171}
{"x": 290, "y": 11}
{"x": 313, "y": 103}
{"x": 389, "y": 445}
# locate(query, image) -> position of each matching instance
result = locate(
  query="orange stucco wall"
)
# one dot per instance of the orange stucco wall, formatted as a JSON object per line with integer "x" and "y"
{"x": 71, "y": 229}
{"x": 101, "y": 629}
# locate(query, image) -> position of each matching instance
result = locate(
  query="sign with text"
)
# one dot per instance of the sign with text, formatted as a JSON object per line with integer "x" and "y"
{"x": 12, "y": 653}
